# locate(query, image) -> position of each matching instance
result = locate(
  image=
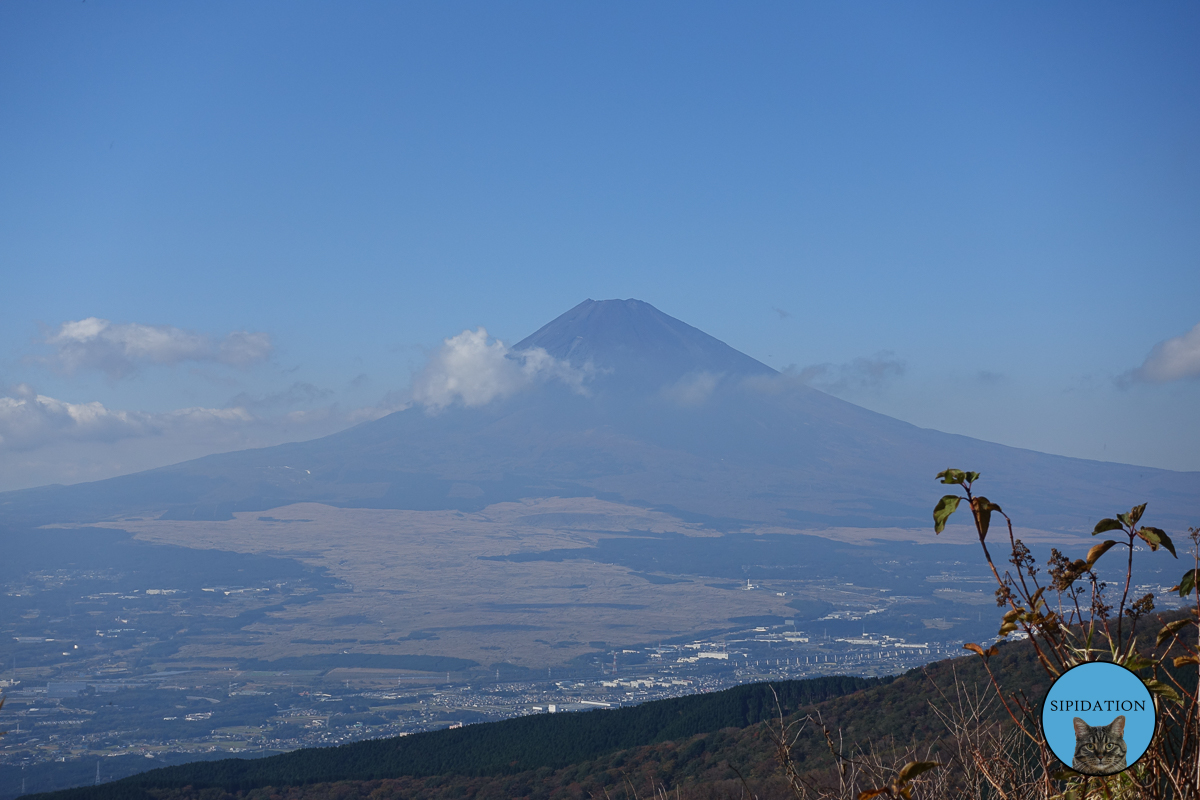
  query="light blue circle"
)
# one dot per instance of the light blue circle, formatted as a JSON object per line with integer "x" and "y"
{"x": 1115, "y": 690}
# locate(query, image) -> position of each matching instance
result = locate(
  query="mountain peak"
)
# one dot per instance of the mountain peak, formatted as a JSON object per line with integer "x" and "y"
{"x": 639, "y": 344}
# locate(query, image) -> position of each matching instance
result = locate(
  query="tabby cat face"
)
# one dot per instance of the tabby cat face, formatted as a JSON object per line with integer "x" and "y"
{"x": 1100, "y": 749}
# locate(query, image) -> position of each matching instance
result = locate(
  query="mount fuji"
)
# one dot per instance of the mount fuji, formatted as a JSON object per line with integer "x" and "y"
{"x": 657, "y": 414}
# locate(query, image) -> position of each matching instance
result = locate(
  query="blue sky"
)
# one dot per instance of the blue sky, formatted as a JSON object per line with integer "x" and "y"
{"x": 982, "y": 218}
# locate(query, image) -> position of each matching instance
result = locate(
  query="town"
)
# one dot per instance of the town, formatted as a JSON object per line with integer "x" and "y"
{"x": 124, "y": 679}
{"x": 126, "y": 720}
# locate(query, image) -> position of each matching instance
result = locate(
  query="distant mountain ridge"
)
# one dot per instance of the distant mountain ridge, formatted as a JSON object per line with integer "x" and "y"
{"x": 675, "y": 419}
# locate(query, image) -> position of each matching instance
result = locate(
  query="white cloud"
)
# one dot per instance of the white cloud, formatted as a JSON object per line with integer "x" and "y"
{"x": 391, "y": 403}
{"x": 692, "y": 389}
{"x": 299, "y": 393}
{"x": 1174, "y": 359}
{"x": 861, "y": 374}
{"x": 47, "y": 440}
{"x": 243, "y": 348}
{"x": 118, "y": 349}
{"x": 474, "y": 370}
{"x": 29, "y": 420}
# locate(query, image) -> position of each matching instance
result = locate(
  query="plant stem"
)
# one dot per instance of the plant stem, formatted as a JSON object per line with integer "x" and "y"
{"x": 1128, "y": 578}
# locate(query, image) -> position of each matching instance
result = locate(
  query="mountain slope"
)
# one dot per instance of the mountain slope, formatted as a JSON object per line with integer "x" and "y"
{"x": 637, "y": 346}
{"x": 674, "y": 419}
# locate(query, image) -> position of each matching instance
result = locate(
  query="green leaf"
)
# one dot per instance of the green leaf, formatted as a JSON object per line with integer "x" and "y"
{"x": 1156, "y": 536}
{"x": 914, "y": 768}
{"x": 1124, "y": 520}
{"x": 1094, "y": 554}
{"x": 1106, "y": 525}
{"x": 1135, "y": 513}
{"x": 1150, "y": 538}
{"x": 1007, "y": 628}
{"x": 1137, "y": 661}
{"x": 972, "y": 477}
{"x": 952, "y": 476}
{"x": 945, "y": 507}
{"x": 1162, "y": 690}
{"x": 1170, "y": 629}
{"x": 1187, "y": 583}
